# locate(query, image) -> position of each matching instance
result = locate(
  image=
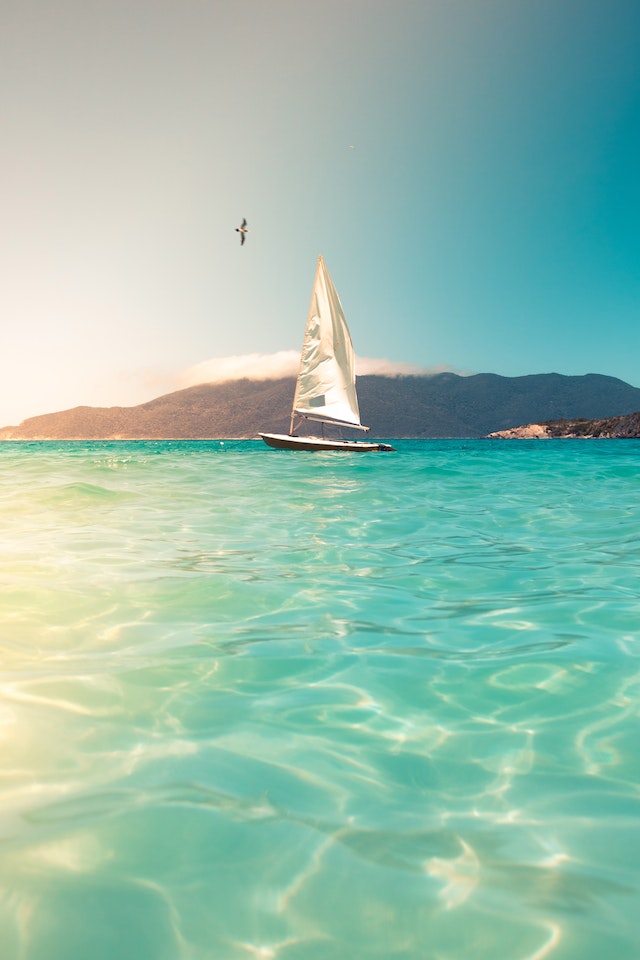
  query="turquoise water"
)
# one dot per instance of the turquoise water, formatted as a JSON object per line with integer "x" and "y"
{"x": 258, "y": 704}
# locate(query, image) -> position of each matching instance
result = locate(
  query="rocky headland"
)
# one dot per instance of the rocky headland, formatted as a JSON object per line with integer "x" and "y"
{"x": 626, "y": 427}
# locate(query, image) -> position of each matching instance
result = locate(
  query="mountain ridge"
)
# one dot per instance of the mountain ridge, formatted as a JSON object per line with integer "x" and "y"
{"x": 412, "y": 406}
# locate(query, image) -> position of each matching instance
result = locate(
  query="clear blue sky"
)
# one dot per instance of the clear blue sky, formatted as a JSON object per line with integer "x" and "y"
{"x": 470, "y": 170}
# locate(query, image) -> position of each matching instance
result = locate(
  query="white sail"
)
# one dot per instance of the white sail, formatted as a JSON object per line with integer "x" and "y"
{"x": 326, "y": 386}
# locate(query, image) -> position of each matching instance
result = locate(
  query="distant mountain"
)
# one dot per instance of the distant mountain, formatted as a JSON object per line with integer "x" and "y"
{"x": 626, "y": 427}
{"x": 444, "y": 405}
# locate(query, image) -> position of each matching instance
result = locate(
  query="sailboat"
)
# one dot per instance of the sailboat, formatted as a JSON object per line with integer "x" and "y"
{"x": 326, "y": 384}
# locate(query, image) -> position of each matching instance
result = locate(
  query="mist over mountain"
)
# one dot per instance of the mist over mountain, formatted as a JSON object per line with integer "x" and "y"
{"x": 437, "y": 406}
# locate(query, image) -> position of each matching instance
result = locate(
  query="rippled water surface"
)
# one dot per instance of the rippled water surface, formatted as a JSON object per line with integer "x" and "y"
{"x": 261, "y": 704}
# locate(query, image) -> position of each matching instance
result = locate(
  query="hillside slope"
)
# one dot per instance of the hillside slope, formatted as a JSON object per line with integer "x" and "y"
{"x": 445, "y": 405}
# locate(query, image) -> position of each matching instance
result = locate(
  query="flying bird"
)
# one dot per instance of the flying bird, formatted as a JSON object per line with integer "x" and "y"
{"x": 243, "y": 231}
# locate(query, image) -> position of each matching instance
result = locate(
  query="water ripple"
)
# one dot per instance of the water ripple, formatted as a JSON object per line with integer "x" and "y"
{"x": 309, "y": 709}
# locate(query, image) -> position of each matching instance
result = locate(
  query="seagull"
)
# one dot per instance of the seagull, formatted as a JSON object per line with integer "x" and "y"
{"x": 242, "y": 230}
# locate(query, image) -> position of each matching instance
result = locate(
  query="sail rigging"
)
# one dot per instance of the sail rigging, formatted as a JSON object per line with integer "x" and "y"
{"x": 326, "y": 384}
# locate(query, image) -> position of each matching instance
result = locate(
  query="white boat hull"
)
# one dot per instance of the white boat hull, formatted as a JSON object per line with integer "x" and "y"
{"x": 282, "y": 441}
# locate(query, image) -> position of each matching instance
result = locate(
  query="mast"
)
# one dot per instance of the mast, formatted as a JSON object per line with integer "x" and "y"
{"x": 306, "y": 343}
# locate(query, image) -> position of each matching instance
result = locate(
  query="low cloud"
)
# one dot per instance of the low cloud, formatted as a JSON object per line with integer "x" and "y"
{"x": 393, "y": 368}
{"x": 285, "y": 363}
{"x": 252, "y": 366}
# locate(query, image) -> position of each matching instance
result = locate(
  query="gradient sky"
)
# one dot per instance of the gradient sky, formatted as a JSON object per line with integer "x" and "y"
{"x": 469, "y": 169}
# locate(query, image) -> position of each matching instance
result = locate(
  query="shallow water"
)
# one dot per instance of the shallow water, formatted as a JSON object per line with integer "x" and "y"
{"x": 262, "y": 704}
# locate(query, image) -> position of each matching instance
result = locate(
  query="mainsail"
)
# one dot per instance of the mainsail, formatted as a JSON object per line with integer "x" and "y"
{"x": 326, "y": 385}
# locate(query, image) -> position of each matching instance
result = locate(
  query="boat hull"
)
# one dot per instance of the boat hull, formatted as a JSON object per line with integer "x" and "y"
{"x": 283, "y": 441}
